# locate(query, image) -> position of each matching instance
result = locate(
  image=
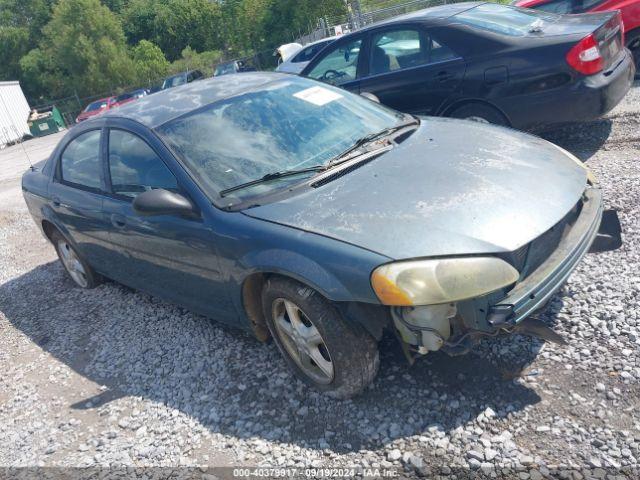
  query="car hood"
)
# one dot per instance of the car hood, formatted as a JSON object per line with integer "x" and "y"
{"x": 453, "y": 187}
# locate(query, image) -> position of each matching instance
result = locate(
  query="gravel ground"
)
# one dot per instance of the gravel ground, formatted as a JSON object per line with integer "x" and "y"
{"x": 111, "y": 377}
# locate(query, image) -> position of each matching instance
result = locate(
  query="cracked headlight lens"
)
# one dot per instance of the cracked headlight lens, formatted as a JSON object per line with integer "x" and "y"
{"x": 428, "y": 282}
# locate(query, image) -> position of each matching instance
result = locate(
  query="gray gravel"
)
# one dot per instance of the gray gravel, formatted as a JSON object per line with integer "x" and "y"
{"x": 113, "y": 377}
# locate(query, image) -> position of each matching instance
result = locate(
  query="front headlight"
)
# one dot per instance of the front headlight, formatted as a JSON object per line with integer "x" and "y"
{"x": 428, "y": 282}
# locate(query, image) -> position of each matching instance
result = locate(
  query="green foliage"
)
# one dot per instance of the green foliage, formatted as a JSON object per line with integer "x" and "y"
{"x": 60, "y": 47}
{"x": 192, "y": 60}
{"x": 82, "y": 49}
{"x": 149, "y": 61}
{"x": 20, "y": 25}
{"x": 174, "y": 25}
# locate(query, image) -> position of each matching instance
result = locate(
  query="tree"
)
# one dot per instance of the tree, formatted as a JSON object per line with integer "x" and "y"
{"x": 192, "y": 60}
{"x": 174, "y": 25}
{"x": 150, "y": 63}
{"x": 83, "y": 49}
{"x": 20, "y": 25}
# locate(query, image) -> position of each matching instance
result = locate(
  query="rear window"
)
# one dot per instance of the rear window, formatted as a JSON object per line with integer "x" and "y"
{"x": 506, "y": 20}
{"x": 96, "y": 106}
{"x": 124, "y": 96}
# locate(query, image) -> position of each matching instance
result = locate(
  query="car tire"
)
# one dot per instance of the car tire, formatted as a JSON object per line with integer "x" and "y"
{"x": 633, "y": 44}
{"x": 319, "y": 346}
{"x": 479, "y": 113}
{"x": 76, "y": 267}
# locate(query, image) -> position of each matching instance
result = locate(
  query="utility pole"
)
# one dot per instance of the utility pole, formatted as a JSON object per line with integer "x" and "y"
{"x": 354, "y": 13}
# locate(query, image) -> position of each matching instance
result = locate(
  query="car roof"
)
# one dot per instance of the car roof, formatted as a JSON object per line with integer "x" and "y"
{"x": 166, "y": 105}
{"x": 325, "y": 39}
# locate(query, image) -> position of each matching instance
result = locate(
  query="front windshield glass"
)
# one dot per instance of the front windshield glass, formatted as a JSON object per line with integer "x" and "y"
{"x": 289, "y": 124}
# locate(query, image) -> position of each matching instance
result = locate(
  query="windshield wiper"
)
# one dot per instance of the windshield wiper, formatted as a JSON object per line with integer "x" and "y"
{"x": 272, "y": 176}
{"x": 344, "y": 156}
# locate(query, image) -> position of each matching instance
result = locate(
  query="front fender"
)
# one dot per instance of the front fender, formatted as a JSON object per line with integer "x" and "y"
{"x": 299, "y": 267}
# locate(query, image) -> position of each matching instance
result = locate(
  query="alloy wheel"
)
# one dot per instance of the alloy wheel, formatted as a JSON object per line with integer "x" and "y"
{"x": 303, "y": 341}
{"x": 72, "y": 263}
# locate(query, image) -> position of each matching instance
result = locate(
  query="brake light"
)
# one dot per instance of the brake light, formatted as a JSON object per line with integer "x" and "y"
{"x": 585, "y": 56}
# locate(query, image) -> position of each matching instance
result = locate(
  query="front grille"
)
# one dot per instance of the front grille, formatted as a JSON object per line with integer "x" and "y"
{"x": 529, "y": 257}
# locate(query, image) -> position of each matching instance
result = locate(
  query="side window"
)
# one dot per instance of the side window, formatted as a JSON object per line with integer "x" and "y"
{"x": 80, "y": 161}
{"x": 134, "y": 166}
{"x": 307, "y": 54}
{"x": 394, "y": 50}
{"x": 439, "y": 52}
{"x": 400, "y": 49}
{"x": 339, "y": 65}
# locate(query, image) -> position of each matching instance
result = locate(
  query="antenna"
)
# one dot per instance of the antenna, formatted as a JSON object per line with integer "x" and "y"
{"x": 24, "y": 150}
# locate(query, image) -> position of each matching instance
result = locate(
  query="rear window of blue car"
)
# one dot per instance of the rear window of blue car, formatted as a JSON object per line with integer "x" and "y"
{"x": 506, "y": 20}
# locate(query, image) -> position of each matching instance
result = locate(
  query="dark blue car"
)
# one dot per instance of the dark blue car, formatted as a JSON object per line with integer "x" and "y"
{"x": 495, "y": 63}
{"x": 317, "y": 217}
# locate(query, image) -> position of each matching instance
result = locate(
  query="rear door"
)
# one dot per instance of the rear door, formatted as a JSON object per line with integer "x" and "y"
{"x": 411, "y": 71}
{"x": 77, "y": 193}
{"x": 339, "y": 64}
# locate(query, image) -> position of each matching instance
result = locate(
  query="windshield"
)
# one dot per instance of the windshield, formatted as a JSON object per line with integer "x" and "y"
{"x": 506, "y": 20}
{"x": 289, "y": 124}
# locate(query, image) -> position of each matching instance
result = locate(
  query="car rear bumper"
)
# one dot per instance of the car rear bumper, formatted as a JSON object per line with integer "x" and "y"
{"x": 535, "y": 291}
{"x": 587, "y": 99}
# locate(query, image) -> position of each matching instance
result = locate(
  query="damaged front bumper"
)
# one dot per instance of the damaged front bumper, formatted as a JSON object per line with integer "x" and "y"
{"x": 422, "y": 329}
{"x": 535, "y": 291}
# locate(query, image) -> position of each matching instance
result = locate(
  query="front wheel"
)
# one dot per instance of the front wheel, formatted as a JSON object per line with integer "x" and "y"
{"x": 320, "y": 347}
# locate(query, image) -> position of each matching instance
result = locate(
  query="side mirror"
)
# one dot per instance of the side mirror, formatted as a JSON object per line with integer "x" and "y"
{"x": 370, "y": 96}
{"x": 162, "y": 202}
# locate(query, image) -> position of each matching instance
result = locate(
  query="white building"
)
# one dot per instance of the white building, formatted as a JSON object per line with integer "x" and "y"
{"x": 14, "y": 113}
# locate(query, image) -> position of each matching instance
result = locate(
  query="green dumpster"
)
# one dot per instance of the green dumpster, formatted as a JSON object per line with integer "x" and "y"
{"x": 45, "y": 121}
{"x": 43, "y": 126}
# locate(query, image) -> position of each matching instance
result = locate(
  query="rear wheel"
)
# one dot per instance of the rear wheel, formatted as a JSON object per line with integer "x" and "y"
{"x": 80, "y": 272}
{"x": 633, "y": 44}
{"x": 324, "y": 351}
{"x": 479, "y": 113}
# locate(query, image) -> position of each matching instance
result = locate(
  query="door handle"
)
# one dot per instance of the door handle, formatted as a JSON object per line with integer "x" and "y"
{"x": 444, "y": 76}
{"x": 55, "y": 201}
{"x": 118, "y": 221}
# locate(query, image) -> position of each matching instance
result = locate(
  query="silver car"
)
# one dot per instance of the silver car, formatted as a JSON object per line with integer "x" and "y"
{"x": 297, "y": 62}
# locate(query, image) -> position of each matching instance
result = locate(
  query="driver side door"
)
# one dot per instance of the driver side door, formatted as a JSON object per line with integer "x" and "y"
{"x": 340, "y": 65}
{"x": 172, "y": 256}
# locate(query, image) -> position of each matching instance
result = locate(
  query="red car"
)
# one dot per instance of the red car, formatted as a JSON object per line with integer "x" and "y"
{"x": 96, "y": 108}
{"x": 630, "y": 10}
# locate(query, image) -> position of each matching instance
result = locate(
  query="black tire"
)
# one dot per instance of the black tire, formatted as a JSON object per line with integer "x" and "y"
{"x": 352, "y": 352}
{"x": 480, "y": 112}
{"x": 89, "y": 277}
{"x": 633, "y": 44}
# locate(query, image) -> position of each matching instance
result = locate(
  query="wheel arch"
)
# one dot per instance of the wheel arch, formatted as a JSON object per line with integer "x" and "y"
{"x": 251, "y": 296}
{"x": 48, "y": 228}
{"x": 371, "y": 317}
